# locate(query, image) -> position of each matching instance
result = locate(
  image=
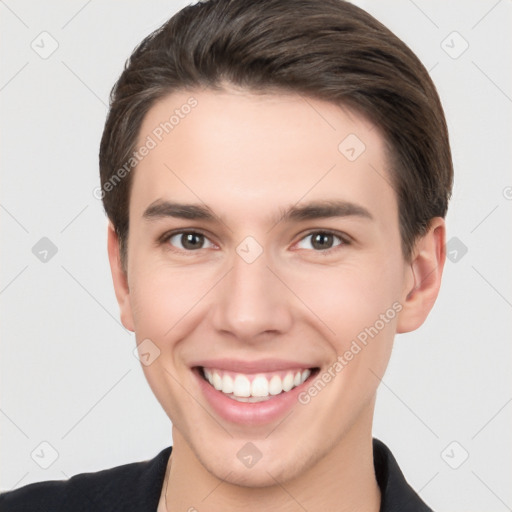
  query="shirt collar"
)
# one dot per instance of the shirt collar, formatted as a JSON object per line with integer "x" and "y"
{"x": 396, "y": 493}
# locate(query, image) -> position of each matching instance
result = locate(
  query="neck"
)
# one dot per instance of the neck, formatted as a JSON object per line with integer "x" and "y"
{"x": 343, "y": 480}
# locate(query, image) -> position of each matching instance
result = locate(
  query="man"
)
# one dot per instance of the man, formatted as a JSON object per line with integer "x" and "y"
{"x": 276, "y": 174}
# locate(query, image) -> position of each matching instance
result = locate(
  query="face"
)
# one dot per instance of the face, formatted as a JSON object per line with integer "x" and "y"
{"x": 265, "y": 277}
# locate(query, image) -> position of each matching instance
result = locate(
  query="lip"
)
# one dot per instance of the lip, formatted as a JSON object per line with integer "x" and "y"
{"x": 246, "y": 413}
{"x": 261, "y": 366}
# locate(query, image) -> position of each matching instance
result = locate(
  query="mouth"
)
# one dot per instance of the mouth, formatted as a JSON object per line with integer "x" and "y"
{"x": 255, "y": 387}
{"x": 252, "y": 393}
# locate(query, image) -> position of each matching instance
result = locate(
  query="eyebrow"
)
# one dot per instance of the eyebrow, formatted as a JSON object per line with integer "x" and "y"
{"x": 310, "y": 211}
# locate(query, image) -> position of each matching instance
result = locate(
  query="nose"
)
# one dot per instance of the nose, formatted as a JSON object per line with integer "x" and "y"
{"x": 252, "y": 302}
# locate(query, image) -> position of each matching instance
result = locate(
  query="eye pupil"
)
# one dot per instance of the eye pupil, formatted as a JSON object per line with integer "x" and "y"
{"x": 322, "y": 241}
{"x": 192, "y": 240}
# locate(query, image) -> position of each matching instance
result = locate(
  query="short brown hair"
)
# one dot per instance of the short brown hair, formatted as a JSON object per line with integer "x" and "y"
{"x": 324, "y": 49}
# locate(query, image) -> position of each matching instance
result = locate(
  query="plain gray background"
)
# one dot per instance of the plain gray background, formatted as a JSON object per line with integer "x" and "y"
{"x": 69, "y": 378}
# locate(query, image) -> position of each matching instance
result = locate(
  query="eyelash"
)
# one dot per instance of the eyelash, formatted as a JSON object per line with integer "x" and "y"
{"x": 342, "y": 237}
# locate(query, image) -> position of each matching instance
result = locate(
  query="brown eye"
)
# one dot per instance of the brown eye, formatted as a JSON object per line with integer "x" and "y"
{"x": 189, "y": 241}
{"x": 320, "y": 241}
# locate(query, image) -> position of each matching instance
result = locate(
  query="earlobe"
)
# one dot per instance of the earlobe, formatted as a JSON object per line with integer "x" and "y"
{"x": 426, "y": 269}
{"x": 119, "y": 278}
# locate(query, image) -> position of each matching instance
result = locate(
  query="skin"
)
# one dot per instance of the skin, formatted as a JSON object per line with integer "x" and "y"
{"x": 249, "y": 157}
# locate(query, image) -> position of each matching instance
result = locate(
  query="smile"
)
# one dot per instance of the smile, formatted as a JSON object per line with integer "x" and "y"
{"x": 256, "y": 387}
{"x": 252, "y": 393}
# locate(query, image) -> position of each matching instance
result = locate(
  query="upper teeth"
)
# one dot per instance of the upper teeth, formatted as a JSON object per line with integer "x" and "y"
{"x": 258, "y": 385}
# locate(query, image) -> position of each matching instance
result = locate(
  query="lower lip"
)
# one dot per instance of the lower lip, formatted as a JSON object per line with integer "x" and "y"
{"x": 246, "y": 413}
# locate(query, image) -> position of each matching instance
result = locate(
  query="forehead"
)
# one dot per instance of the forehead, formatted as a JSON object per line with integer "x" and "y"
{"x": 253, "y": 153}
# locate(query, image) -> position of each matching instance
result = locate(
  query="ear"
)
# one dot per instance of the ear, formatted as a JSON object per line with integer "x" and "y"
{"x": 424, "y": 277}
{"x": 119, "y": 278}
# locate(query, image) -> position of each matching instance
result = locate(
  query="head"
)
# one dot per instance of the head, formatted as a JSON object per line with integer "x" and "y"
{"x": 303, "y": 148}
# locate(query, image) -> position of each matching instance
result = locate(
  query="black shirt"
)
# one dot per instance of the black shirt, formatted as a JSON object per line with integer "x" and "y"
{"x": 136, "y": 487}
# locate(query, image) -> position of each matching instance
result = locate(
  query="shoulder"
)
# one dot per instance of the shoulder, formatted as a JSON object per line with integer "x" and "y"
{"x": 134, "y": 486}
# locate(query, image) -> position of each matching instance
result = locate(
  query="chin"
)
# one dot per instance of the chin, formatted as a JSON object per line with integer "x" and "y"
{"x": 271, "y": 468}
{"x": 259, "y": 476}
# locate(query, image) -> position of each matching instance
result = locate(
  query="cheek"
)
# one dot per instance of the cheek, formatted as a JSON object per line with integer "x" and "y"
{"x": 349, "y": 298}
{"x": 162, "y": 297}
{"x": 163, "y": 304}
{"x": 359, "y": 306}
{"x": 360, "y": 309}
